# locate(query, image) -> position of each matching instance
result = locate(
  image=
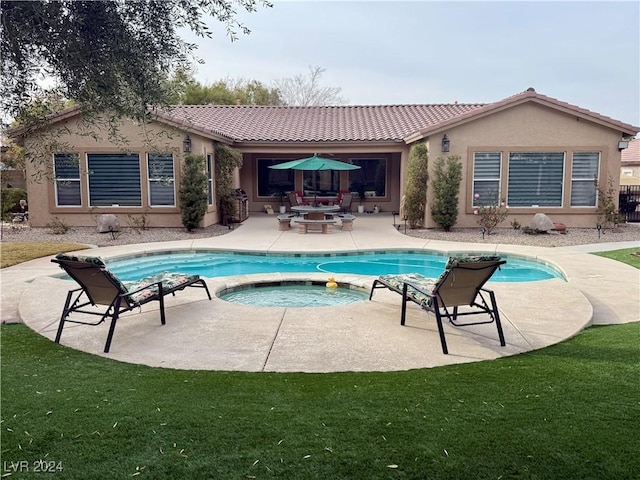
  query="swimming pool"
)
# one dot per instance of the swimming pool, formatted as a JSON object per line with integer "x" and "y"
{"x": 221, "y": 264}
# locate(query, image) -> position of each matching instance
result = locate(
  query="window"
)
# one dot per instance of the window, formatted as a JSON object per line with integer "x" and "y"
{"x": 114, "y": 180}
{"x": 535, "y": 179}
{"x": 161, "y": 180}
{"x": 584, "y": 176}
{"x": 321, "y": 182}
{"x": 371, "y": 178}
{"x": 210, "y": 191}
{"x": 66, "y": 171}
{"x": 486, "y": 178}
{"x": 272, "y": 181}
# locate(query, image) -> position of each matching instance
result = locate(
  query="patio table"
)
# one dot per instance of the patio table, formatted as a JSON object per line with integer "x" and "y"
{"x": 315, "y": 213}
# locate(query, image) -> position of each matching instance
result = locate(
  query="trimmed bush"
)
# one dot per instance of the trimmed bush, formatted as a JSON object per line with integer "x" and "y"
{"x": 446, "y": 188}
{"x": 193, "y": 192}
{"x": 415, "y": 197}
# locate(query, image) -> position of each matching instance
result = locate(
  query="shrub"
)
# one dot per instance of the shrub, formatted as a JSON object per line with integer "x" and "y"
{"x": 491, "y": 215}
{"x": 57, "y": 226}
{"x": 193, "y": 191}
{"x": 446, "y": 188}
{"x": 415, "y": 197}
{"x": 227, "y": 161}
{"x": 11, "y": 201}
{"x": 609, "y": 214}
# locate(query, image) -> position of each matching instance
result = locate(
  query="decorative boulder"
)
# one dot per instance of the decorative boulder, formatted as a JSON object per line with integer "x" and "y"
{"x": 542, "y": 223}
{"x": 108, "y": 223}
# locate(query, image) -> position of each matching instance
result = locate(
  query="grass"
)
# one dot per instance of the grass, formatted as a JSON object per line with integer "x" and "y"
{"x": 569, "y": 411}
{"x": 630, "y": 256}
{"x": 18, "y": 252}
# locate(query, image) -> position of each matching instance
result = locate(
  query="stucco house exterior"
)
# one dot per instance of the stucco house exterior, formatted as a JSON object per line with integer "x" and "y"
{"x": 537, "y": 153}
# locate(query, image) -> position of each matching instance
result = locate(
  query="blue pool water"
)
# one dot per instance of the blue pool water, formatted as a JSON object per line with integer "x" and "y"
{"x": 221, "y": 264}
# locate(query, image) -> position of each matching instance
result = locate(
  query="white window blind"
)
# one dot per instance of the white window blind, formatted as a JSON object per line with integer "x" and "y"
{"x": 114, "y": 179}
{"x": 584, "y": 176}
{"x": 66, "y": 170}
{"x": 535, "y": 179}
{"x": 486, "y": 178}
{"x": 161, "y": 180}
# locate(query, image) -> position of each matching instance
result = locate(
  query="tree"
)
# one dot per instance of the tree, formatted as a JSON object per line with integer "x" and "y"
{"x": 306, "y": 90}
{"x": 229, "y": 92}
{"x": 107, "y": 56}
{"x": 415, "y": 197}
{"x": 446, "y": 188}
{"x": 193, "y": 191}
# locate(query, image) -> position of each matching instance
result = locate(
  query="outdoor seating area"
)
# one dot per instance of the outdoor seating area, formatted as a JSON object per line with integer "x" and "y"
{"x": 460, "y": 285}
{"x": 321, "y": 219}
{"x": 99, "y": 286}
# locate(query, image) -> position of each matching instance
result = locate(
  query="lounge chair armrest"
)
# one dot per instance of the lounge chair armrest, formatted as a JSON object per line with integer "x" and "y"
{"x": 419, "y": 295}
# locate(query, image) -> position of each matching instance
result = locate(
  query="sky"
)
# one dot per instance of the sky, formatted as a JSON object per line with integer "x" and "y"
{"x": 383, "y": 52}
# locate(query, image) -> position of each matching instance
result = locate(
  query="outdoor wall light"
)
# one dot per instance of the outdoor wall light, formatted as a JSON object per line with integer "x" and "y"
{"x": 445, "y": 143}
{"x": 186, "y": 144}
{"x": 622, "y": 144}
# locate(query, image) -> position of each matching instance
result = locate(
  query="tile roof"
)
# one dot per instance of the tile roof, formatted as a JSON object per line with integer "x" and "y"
{"x": 631, "y": 154}
{"x": 529, "y": 95}
{"x": 245, "y": 123}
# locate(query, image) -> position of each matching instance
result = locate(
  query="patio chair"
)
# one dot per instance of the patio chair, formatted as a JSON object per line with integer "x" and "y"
{"x": 345, "y": 203}
{"x": 460, "y": 285}
{"x": 98, "y": 286}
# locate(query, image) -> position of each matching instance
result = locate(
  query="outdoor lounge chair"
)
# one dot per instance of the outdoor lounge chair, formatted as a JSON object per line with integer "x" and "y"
{"x": 101, "y": 287}
{"x": 460, "y": 285}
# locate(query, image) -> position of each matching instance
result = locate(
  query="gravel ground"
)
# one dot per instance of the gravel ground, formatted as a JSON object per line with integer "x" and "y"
{"x": 88, "y": 235}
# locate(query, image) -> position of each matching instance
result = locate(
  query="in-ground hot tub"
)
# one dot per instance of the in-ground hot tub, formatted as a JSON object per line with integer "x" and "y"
{"x": 293, "y": 293}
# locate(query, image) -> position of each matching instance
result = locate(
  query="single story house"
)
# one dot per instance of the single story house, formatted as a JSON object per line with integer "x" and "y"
{"x": 537, "y": 153}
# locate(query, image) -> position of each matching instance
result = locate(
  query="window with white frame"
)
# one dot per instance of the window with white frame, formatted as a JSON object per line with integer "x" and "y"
{"x": 535, "y": 179}
{"x": 161, "y": 180}
{"x": 486, "y": 178}
{"x": 66, "y": 171}
{"x": 210, "y": 191}
{"x": 584, "y": 179}
{"x": 114, "y": 179}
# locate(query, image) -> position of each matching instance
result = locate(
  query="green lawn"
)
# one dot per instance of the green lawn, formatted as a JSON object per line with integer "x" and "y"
{"x": 629, "y": 256}
{"x": 570, "y": 411}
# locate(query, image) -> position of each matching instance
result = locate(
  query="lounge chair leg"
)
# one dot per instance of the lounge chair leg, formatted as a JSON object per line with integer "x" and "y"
{"x": 112, "y": 327}
{"x": 163, "y": 320}
{"x": 443, "y": 342}
{"x": 497, "y": 318}
{"x": 373, "y": 287}
{"x": 205, "y": 288}
{"x": 403, "y": 315}
{"x": 64, "y": 316}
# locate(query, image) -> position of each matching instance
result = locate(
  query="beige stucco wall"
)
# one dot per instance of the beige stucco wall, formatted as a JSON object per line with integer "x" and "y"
{"x": 528, "y": 127}
{"x": 133, "y": 137}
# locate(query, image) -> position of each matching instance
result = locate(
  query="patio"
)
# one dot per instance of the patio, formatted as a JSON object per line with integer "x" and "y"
{"x": 365, "y": 336}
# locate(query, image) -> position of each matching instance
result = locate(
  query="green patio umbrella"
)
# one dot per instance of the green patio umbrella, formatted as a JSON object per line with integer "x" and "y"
{"x": 315, "y": 163}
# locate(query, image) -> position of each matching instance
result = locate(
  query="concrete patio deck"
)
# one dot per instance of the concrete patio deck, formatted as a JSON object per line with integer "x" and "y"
{"x": 364, "y": 336}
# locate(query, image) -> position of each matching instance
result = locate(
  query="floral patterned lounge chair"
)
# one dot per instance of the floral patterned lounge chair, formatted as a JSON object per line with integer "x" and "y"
{"x": 460, "y": 285}
{"x": 101, "y": 287}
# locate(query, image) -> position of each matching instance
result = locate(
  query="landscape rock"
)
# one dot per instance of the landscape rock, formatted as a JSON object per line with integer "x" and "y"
{"x": 542, "y": 223}
{"x": 108, "y": 223}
